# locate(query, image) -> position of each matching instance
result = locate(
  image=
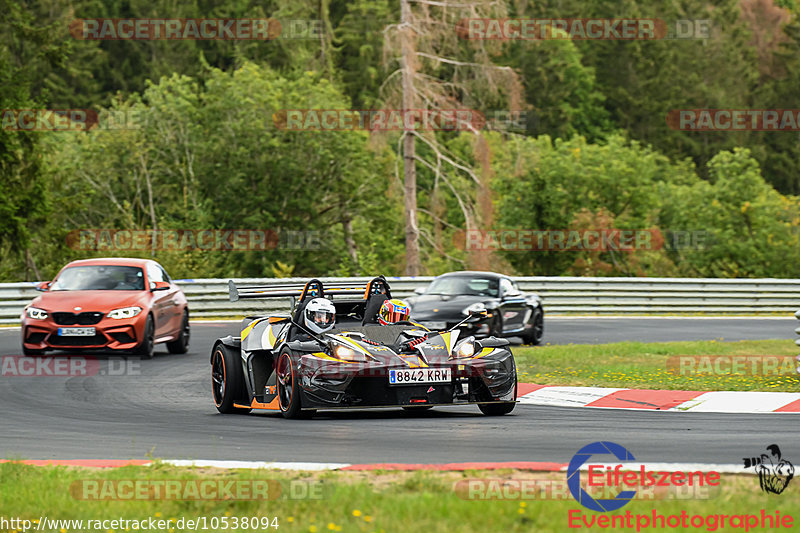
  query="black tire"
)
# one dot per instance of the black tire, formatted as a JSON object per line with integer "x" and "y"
{"x": 535, "y": 333}
{"x": 500, "y": 409}
{"x": 497, "y": 409}
{"x": 146, "y": 347}
{"x": 181, "y": 344}
{"x": 289, "y": 398}
{"x": 227, "y": 381}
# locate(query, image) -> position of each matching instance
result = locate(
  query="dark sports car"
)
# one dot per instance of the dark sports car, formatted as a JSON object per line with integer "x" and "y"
{"x": 510, "y": 312}
{"x": 278, "y": 364}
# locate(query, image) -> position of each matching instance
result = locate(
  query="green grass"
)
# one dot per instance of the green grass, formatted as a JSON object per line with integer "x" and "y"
{"x": 352, "y": 501}
{"x": 645, "y": 365}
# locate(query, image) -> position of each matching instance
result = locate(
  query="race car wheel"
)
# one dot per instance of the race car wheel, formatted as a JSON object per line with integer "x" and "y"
{"x": 181, "y": 344}
{"x": 496, "y": 409}
{"x": 499, "y": 409}
{"x": 227, "y": 382}
{"x": 534, "y": 334}
{"x": 288, "y": 388}
{"x": 145, "y": 348}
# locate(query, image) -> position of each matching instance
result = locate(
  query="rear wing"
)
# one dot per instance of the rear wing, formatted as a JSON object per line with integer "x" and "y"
{"x": 314, "y": 288}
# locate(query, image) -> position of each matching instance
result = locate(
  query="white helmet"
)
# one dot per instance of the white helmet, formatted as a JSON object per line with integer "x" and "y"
{"x": 319, "y": 315}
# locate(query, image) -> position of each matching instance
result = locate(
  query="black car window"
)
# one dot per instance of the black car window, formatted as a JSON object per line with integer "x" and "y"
{"x": 154, "y": 273}
{"x": 462, "y": 285}
{"x": 508, "y": 287}
{"x": 164, "y": 274}
{"x": 99, "y": 278}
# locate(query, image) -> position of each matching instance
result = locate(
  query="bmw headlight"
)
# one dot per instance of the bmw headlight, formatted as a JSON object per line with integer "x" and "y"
{"x": 36, "y": 313}
{"x": 125, "y": 312}
{"x": 465, "y": 348}
{"x": 477, "y": 307}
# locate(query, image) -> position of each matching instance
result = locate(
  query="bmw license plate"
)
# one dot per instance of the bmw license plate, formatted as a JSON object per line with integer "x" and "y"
{"x": 76, "y": 332}
{"x": 414, "y": 376}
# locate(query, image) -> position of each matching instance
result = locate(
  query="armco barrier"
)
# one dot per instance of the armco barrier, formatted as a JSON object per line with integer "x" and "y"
{"x": 562, "y": 295}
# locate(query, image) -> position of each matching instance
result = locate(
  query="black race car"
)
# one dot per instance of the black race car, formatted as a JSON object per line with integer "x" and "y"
{"x": 279, "y": 364}
{"x": 510, "y": 312}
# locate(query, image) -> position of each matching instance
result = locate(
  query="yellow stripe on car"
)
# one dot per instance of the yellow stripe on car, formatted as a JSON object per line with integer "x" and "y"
{"x": 246, "y": 331}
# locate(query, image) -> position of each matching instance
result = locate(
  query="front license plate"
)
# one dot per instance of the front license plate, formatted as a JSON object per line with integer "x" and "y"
{"x": 414, "y": 376}
{"x": 435, "y": 326}
{"x": 76, "y": 332}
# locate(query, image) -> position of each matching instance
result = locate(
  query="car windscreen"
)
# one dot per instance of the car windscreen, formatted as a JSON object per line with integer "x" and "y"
{"x": 100, "y": 278}
{"x": 459, "y": 285}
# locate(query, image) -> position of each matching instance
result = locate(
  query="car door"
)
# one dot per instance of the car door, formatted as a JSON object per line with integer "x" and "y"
{"x": 512, "y": 307}
{"x": 176, "y": 301}
{"x": 163, "y": 301}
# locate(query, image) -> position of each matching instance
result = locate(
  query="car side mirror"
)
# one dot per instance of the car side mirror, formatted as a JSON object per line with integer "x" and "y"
{"x": 44, "y": 286}
{"x": 419, "y": 290}
{"x": 159, "y": 286}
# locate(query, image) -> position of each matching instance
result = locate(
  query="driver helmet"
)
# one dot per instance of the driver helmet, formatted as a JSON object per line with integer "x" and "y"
{"x": 319, "y": 315}
{"x": 393, "y": 311}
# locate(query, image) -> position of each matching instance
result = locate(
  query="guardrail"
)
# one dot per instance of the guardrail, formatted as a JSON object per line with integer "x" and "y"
{"x": 561, "y": 295}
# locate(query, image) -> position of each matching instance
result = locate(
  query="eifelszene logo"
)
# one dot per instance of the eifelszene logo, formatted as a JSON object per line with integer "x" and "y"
{"x": 607, "y": 477}
{"x": 774, "y": 472}
{"x": 574, "y": 476}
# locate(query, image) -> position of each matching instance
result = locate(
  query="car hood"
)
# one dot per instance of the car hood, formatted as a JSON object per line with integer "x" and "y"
{"x": 102, "y": 301}
{"x": 435, "y": 305}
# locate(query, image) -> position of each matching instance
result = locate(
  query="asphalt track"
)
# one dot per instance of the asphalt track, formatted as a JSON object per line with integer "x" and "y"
{"x": 163, "y": 408}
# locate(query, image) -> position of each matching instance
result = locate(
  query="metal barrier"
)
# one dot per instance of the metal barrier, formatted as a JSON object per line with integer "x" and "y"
{"x": 561, "y": 295}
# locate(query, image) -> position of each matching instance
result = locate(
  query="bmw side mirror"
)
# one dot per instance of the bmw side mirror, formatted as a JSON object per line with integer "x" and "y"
{"x": 159, "y": 286}
{"x": 44, "y": 286}
{"x": 419, "y": 290}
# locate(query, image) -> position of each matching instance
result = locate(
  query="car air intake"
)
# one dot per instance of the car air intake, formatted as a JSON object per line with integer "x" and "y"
{"x": 36, "y": 337}
{"x": 80, "y": 319}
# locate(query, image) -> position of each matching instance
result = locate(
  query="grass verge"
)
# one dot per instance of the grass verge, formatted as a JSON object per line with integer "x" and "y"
{"x": 656, "y": 365}
{"x": 350, "y": 501}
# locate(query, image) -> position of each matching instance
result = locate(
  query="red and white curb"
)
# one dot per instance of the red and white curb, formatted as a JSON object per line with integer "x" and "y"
{"x": 532, "y": 466}
{"x": 660, "y": 400}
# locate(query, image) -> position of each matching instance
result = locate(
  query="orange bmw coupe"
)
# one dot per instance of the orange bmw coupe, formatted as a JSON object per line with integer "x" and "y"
{"x": 112, "y": 303}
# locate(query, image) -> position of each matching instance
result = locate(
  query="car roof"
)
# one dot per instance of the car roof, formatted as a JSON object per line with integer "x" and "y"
{"x": 468, "y": 273}
{"x": 123, "y": 261}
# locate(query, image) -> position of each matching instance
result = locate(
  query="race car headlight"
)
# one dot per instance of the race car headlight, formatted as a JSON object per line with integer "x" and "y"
{"x": 465, "y": 348}
{"x": 36, "y": 313}
{"x": 345, "y": 353}
{"x": 477, "y": 307}
{"x": 125, "y": 312}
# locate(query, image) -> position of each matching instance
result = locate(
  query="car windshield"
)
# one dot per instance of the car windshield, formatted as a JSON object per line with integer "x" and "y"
{"x": 461, "y": 285}
{"x": 100, "y": 278}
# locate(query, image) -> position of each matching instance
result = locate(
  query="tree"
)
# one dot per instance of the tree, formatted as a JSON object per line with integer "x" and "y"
{"x": 437, "y": 68}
